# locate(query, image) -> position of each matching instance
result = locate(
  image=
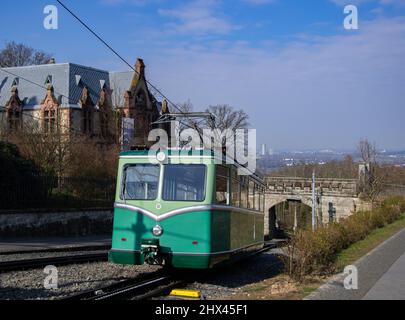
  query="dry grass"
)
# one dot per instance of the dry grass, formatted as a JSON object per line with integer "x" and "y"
{"x": 280, "y": 287}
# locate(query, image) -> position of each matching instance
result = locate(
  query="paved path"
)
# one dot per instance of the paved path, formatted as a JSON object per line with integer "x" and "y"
{"x": 391, "y": 285}
{"x": 381, "y": 275}
{"x": 28, "y": 244}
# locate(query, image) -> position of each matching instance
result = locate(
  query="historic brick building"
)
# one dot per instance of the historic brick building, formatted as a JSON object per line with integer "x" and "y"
{"x": 70, "y": 98}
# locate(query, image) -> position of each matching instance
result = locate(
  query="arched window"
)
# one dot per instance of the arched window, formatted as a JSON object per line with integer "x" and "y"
{"x": 49, "y": 119}
{"x": 87, "y": 111}
{"x": 140, "y": 100}
{"x": 104, "y": 123}
{"x": 87, "y": 121}
{"x": 49, "y": 110}
{"x": 14, "y": 119}
{"x": 105, "y": 114}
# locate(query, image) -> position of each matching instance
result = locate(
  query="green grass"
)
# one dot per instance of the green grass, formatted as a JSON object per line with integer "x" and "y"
{"x": 361, "y": 248}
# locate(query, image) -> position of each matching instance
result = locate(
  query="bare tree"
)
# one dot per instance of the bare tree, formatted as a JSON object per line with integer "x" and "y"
{"x": 185, "y": 107}
{"x": 368, "y": 151}
{"x": 226, "y": 122}
{"x": 49, "y": 151}
{"x": 17, "y": 55}
{"x": 227, "y": 117}
{"x": 373, "y": 179}
{"x": 185, "y": 123}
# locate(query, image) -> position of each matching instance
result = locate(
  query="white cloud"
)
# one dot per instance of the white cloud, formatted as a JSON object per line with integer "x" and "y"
{"x": 259, "y": 2}
{"x": 359, "y": 2}
{"x": 199, "y": 17}
{"x": 124, "y": 2}
{"x": 329, "y": 91}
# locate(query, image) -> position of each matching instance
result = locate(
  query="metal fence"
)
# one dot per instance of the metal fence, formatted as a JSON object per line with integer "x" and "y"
{"x": 47, "y": 192}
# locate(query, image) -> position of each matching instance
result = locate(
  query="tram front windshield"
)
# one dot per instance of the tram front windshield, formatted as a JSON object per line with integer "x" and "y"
{"x": 184, "y": 182}
{"x": 141, "y": 182}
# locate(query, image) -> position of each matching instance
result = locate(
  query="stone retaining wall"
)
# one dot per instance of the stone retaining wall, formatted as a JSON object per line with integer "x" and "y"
{"x": 66, "y": 223}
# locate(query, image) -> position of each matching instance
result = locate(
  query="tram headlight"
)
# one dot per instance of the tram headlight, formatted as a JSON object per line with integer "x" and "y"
{"x": 157, "y": 231}
{"x": 161, "y": 157}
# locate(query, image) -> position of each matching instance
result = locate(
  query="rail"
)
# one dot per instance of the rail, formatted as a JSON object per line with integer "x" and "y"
{"x": 24, "y": 264}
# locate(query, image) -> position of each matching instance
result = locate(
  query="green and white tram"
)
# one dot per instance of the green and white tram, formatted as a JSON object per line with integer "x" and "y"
{"x": 184, "y": 211}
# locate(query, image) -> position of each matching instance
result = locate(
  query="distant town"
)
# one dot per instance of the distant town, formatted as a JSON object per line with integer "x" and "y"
{"x": 270, "y": 159}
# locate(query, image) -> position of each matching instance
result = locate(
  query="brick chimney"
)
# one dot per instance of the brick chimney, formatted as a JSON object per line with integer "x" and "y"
{"x": 165, "y": 107}
{"x": 140, "y": 67}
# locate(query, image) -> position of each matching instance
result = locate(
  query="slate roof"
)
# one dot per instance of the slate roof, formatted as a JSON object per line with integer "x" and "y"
{"x": 120, "y": 82}
{"x": 68, "y": 80}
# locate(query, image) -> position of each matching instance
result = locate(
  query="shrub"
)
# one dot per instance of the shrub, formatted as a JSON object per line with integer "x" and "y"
{"x": 314, "y": 252}
{"x": 20, "y": 181}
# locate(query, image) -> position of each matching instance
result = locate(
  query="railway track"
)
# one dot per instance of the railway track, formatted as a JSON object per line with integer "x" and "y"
{"x": 56, "y": 250}
{"x": 25, "y": 264}
{"x": 133, "y": 289}
{"x": 156, "y": 285}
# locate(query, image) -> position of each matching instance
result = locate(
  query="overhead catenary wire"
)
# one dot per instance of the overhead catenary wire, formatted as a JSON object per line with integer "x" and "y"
{"x": 84, "y": 24}
{"x": 193, "y": 126}
{"x": 117, "y": 54}
{"x": 26, "y": 114}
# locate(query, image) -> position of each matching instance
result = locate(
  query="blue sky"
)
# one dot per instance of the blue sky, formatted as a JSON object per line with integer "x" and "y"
{"x": 305, "y": 81}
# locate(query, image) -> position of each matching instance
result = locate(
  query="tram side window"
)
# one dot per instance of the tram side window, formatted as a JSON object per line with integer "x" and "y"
{"x": 244, "y": 192}
{"x": 141, "y": 182}
{"x": 257, "y": 196}
{"x": 261, "y": 199}
{"x": 235, "y": 195}
{"x": 222, "y": 185}
{"x": 251, "y": 204}
{"x": 184, "y": 182}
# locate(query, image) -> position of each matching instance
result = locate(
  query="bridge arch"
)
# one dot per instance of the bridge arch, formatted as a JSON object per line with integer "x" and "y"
{"x": 287, "y": 213}
{"x": 336, "y": 198}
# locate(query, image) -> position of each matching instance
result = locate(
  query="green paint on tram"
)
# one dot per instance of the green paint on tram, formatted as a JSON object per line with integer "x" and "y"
{"x": 184, "y": 210}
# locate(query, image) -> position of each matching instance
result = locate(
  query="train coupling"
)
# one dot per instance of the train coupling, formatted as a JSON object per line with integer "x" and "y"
{"x": 150, "y": 251}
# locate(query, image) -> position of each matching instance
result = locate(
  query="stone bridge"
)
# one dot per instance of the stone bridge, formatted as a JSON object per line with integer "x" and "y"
{"x": 336, "y": 198}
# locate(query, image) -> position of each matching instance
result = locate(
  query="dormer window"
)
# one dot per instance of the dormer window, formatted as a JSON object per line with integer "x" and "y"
{"x": 78, "y": 79}
{"x": 14, "y": 110}
{"x": 48, "y": 80}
